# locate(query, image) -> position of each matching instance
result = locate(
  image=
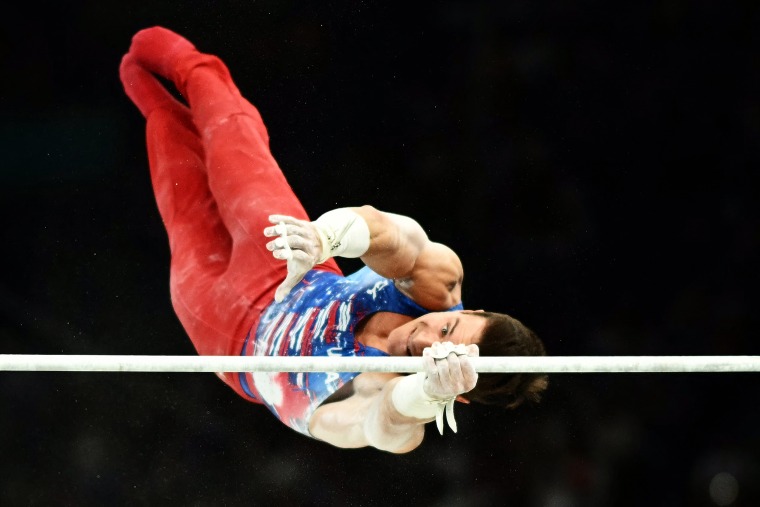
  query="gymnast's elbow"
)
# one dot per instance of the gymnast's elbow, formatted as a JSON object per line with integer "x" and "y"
{"x": 396, "y": 441}
{"x": 386, "y": 429}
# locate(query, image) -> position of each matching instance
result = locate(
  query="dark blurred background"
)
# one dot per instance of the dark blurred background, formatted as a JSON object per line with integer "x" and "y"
{"x": 594, "y": 165}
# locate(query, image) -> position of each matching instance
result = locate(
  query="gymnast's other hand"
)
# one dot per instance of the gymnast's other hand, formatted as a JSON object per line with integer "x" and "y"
{"x": 448, "y": 370}
{"x": 298, "y": 243}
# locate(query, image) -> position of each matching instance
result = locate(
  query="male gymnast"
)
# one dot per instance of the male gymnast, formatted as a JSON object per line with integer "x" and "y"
{"x": 218, "y": 188}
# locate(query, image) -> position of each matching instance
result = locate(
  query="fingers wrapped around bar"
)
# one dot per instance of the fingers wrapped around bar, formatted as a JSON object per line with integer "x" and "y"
{"x": 448, "y": 373}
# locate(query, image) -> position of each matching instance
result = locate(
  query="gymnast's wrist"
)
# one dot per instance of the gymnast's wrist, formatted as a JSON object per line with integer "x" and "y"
{"x": 342, "y": 233}
{"x": 410, "y": 399}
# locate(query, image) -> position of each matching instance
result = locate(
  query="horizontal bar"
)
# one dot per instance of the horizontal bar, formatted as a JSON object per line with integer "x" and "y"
{"x": 553, "y": 364}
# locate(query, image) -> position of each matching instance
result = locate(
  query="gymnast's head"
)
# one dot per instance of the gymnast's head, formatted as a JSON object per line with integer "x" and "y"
{"x": 495, "y": 334}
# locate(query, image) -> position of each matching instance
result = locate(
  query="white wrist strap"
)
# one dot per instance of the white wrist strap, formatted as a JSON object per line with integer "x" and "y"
{"x": 343, "y": 233}
{"x": 411, "y": 400}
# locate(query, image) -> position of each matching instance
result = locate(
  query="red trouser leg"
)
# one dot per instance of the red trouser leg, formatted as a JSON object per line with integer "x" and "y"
{"x": 215, "y": 192}
{"x": 244, "y": 178}
{"x": 200, "y": 245}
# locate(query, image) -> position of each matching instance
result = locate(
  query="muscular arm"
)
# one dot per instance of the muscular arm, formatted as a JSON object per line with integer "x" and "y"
{"x": 428, "y": 272}
{"x": 368, "y": 418}
{"x": 397, "y": 248}
{"x": 389, "y": 411}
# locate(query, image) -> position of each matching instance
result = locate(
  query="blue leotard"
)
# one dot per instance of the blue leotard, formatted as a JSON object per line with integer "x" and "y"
{"x": 317, "y": 318}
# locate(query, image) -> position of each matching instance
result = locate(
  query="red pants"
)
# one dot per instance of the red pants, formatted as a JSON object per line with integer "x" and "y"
{"x": 216, "y": 183}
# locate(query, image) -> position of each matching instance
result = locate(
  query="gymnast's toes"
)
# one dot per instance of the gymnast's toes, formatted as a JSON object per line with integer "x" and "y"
{"x": 158, "y": 48}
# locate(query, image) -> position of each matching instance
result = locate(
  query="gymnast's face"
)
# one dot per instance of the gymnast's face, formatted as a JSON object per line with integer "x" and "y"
{"x": 457, "y": 327}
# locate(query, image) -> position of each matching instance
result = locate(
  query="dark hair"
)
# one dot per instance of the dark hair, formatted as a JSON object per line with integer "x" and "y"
{"x": 506, "y": 336}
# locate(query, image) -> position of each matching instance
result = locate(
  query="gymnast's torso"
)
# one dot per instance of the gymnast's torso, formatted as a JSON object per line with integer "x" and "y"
{"x": 320, "y": 317}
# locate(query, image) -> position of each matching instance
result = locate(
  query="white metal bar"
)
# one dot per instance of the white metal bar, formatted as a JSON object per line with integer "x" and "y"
{"x": 553, "y": 364}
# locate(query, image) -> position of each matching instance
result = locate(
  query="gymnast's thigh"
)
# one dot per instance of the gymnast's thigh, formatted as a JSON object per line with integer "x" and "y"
{"x": 249, "y": 186}
{"x": 245, "y": 179}
{"x": 215, "y": 315}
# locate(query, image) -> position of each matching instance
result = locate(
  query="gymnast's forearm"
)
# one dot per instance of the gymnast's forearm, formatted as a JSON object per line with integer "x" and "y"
{"x": 387, "y": 429}
{"x": 395, "y": 242}
{"x": 389, "y": 244}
